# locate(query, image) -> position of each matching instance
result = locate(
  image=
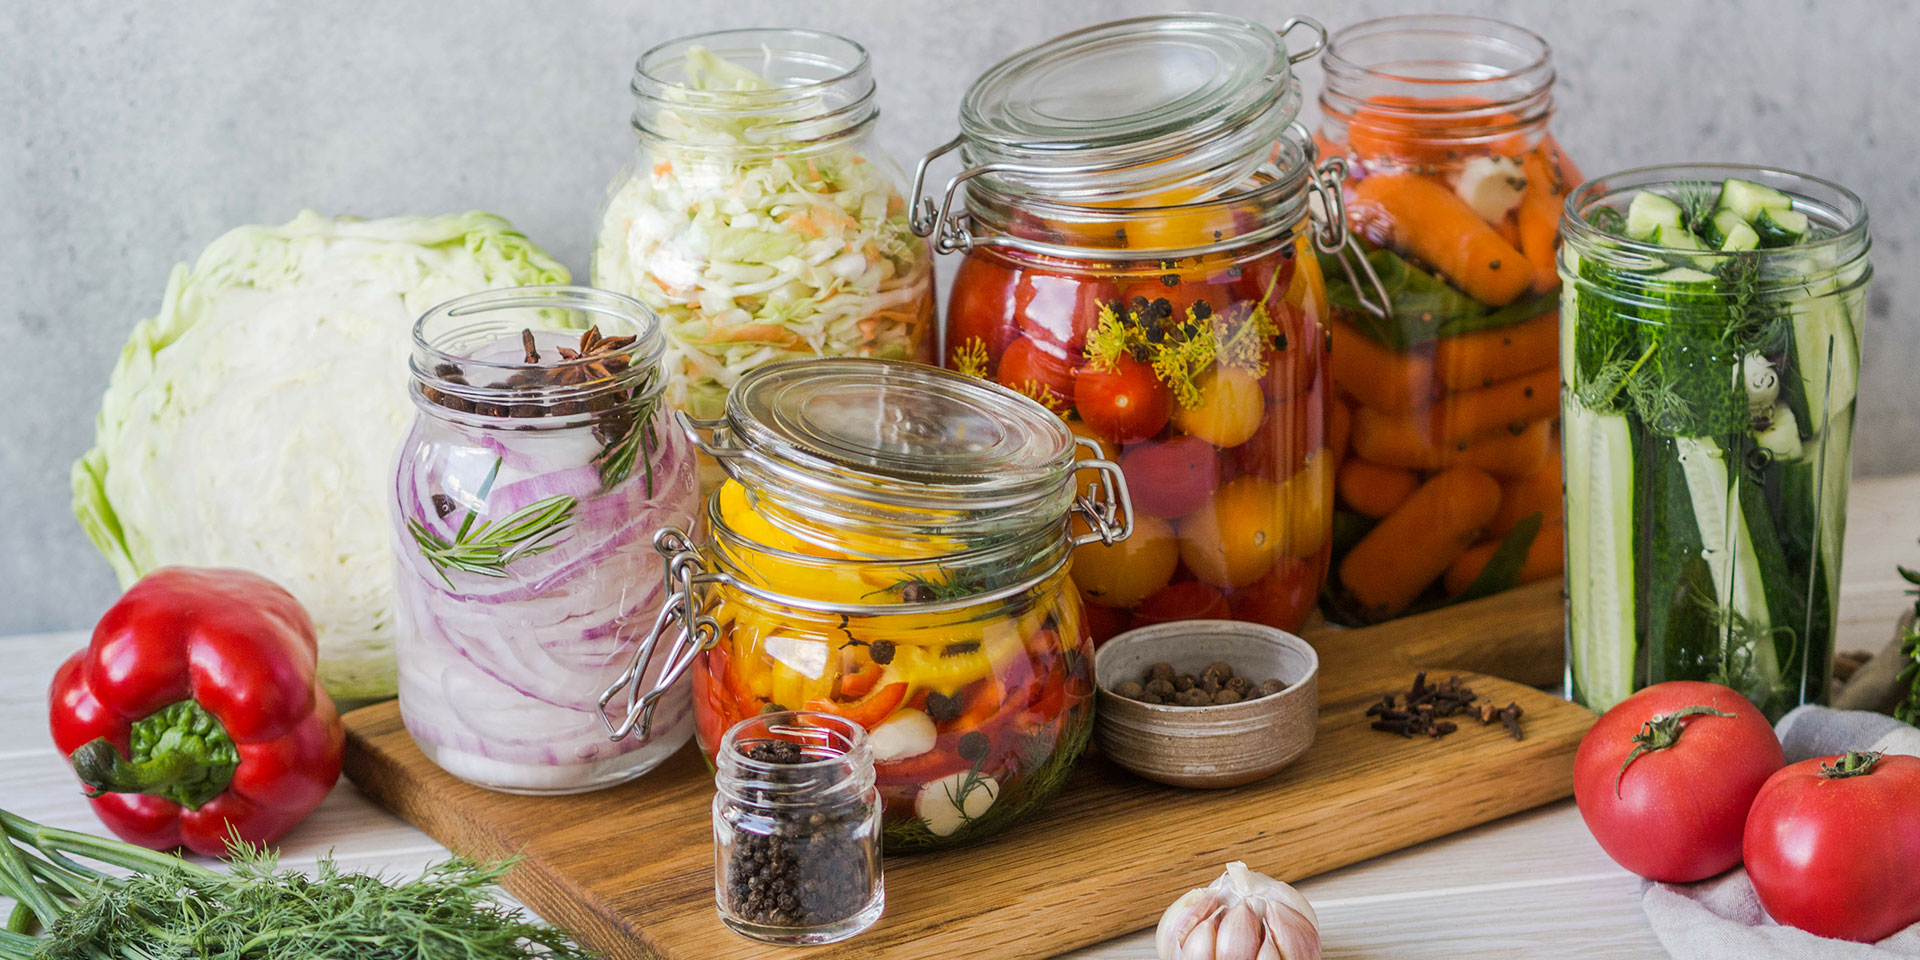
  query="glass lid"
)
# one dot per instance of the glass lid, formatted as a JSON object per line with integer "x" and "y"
{"x": 1149, "y": 102}
{"x": 898, "y": 431}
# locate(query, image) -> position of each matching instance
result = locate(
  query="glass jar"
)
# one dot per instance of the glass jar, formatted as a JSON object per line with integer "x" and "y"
{"x": 1708, "y": 420}
{"x": 1138, "y": 260}
{"x": 796, "y": 829}
{"x": 537, "y": 468}
{"x": 891, "y": 547}
{"x": 1445, "y": 328}
{"x": 760, "y": 218}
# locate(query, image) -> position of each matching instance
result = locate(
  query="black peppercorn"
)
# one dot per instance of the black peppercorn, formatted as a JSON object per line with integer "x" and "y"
{"x": 973, "y": 746}
{"x": 916, "y": 592}
{"x": 881, "y": 651}
{"x": 808, "y": 859}
{"x": 942, "y": 708}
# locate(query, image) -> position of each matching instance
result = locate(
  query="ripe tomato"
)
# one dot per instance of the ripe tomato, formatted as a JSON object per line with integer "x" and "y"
{"x": 1187, "y": 600}
{"x": 1103, "y": 622}
{"x": 1187, "y": 296}
{"x": 1306, "y": 502}
{"x": 1124, "y": 405}
{"x": 1231, "y": 541}
{"x": 1833, "y": 845}
{"x": 1266, "y": 279}
{"x": 1665, "y": 778}
{"x": 1294, "y": 360}
{"x": 1283, "y": 598}
{"x": 1060, "y": 309}
{"x": 1170, "y": 478}
{"x": 1230, "y": 410}
{"x": 1127, "y": 572}
{"x": 982, "y": 305}
{"x": 1279, "y": 448}
{"x": 1039, "y": 370}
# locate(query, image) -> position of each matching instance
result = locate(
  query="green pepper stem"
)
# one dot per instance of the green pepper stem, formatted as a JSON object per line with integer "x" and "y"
{"x": 180, "y": 752}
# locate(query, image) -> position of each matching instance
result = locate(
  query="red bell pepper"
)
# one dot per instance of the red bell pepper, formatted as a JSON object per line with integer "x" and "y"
{"x": 868, "y": 711}
{"x": 195, "y": 711}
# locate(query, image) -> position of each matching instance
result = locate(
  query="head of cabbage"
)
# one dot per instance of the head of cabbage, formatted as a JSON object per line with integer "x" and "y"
{"x": 253, "y": 423}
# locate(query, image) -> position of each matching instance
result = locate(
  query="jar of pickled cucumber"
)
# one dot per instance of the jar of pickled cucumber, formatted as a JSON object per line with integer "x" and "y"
{"x": 1135, "y": 218}
{"x": 1445, "y": 312}
{"x": 890, "y": 546}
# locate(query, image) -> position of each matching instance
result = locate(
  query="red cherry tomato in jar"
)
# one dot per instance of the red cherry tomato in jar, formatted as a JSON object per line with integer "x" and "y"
{"x": 1279, "y": 448}
{"x": 981, "y": 307}
{"x": 1266, "y": 280}
{"x": 1185, "y": 297}
{"x": 1188, "y": 600}
{"x": 1293, "y": 361}
{"x": 1126, "y": 404}
{"x": 1284, "y": 597}
{"x": 1170, "y": 478}
{"x": 1833, "y": 845}
{"x": 1665, "y": 778}
{"x": 1060, "y": 309}
{"x": 1039, "y": 370}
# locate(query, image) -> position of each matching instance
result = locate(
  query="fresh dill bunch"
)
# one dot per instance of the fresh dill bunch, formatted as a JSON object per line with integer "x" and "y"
{"x": 171, "y": 909}
{"x": 1696, "y": 199}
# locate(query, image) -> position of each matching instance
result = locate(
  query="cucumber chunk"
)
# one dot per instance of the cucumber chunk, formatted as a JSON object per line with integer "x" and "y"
{"x": 1601, "y": 647}
{"x": 1675, "y": 237}
{"x": 1649, "y": 212}
{"x": 1779, "y": 228}
{"x": 1724, "y": 226}
{"x": 1747, "y": 198}
{"x": 1741, "y": 237}
{"x": 1739, "y": 585}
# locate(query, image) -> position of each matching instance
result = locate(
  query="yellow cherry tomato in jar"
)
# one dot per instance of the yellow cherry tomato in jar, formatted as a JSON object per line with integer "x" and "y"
{"x": 1232, "y": 540}
{"x": 1305, "y": 505}
{"x": 1230, "y": 408}
{"x": 1127, "y": 572}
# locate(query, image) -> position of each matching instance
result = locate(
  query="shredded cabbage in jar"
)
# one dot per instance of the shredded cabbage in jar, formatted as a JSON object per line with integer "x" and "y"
{"x": 757, "y": 248}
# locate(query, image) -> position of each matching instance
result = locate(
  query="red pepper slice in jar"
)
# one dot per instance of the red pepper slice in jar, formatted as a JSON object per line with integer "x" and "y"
{"x": 868, "y": 711}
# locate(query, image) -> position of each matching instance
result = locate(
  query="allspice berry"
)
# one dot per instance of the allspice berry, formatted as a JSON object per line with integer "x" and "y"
{"x": 1130, "y": 690}
{"x": 1226, "y": 695}
{"x": 1160, "y": 671}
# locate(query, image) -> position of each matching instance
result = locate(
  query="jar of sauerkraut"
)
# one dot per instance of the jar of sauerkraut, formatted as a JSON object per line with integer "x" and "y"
{"x": 523, "y": 500}
{"x": 759, "y": 217}
{"x": 1139, "y": 257}
{"x": 890, "y": 547}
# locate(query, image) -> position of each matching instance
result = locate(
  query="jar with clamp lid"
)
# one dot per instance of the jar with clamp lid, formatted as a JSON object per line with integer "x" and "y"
{"x": 1134, "y": 213}
{"x": 891, "y": 547}
{"x": 1446, "y": 328}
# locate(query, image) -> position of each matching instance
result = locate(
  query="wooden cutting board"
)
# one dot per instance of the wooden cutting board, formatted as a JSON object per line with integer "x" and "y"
{"x": 630, "y": 870}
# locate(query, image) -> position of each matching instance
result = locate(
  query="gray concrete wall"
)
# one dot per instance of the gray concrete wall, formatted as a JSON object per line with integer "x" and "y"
{"x": 136, "y": 133}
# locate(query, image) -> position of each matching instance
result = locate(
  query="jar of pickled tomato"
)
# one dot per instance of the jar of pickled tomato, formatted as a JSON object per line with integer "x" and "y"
{"x": 1445, "y": 313}
{"x": 890, "y": 546}
{"x": 1139, "y": 259}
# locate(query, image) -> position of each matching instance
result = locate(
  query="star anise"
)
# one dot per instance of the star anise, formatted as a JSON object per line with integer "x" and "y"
{"x": 604, "y": 356}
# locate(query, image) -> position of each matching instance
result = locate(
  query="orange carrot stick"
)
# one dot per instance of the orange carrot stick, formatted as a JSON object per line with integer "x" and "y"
{"x": 1508, "y": 228}
{"x": 1373, "y": 490}
{"x": 1546, "y": 556}
{"x": 1536, "y": 492}
{"x": 1418, "y": 542}
{"x": 1507, "y": 405}
{"x": 1485, "y": 357}
{"x": 1539, "y": 220}
{"x": 1376, "y": 376}
{"x": 1423, "y": 131}
{"x": 1399, "y": 440}
{"x": 1429, "y": 221}
{"x": 1339, "y": 428}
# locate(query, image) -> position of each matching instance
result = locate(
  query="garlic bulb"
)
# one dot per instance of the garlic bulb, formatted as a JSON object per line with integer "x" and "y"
{"x": 1241, "y": 916}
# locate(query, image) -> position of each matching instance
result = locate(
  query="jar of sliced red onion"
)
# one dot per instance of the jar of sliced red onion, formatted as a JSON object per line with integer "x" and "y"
{"x": 525, "y": 499}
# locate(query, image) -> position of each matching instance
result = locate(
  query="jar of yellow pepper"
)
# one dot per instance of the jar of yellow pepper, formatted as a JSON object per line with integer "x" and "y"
{"x": 891, "y": 547}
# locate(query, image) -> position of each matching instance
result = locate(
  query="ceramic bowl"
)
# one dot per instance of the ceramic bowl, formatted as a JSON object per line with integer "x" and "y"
{"x": 1223, "y": 745}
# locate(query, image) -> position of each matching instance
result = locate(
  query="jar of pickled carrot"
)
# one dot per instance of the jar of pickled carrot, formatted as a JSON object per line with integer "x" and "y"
{"x": 1139, "y": 259}
{"x": 891, "y": 547}
{"x": 1445, "y": 321}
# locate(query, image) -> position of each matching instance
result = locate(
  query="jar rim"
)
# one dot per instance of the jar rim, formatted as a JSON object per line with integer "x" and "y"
{"x": 1444, "y": 78}
{"x": 1534, "y": 48}
{"x": 1837, "y": 208}
{"x": 1072, "y": 114}
{"x": 656, "y": 58}
{"x": 444, "y": 337}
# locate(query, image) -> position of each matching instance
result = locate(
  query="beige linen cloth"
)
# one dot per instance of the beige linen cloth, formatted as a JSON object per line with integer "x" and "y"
{"x": 1721, "y": 919}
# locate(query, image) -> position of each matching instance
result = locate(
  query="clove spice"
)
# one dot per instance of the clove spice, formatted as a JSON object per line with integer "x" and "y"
{"x": 1424, "y": 709}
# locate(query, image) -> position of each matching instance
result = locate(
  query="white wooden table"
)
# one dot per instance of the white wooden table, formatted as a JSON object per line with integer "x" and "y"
{"x": 1533, "y": 885}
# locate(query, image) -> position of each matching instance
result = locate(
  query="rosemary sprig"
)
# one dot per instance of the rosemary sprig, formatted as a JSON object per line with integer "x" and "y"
{"x": 486, "y": 549}
{"x": 636, "y": 441}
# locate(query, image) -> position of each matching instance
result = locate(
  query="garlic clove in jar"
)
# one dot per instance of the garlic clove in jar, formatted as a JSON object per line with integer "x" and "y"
{"x": 1243, "y": 915}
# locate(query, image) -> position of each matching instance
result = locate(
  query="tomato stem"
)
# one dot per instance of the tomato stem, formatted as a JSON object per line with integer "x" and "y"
{"x": 1659, "y": 733}
{"x": 1853, "y": 763}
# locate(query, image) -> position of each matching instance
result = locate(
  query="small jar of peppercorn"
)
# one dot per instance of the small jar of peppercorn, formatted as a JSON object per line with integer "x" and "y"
{"x": 796, "y": 829}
